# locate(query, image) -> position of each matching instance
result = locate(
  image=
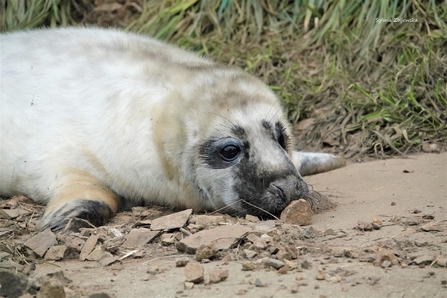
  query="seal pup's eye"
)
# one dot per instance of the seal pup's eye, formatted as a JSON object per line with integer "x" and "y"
{"x": 230, "y": 152}
{"x": 279, "y": 135}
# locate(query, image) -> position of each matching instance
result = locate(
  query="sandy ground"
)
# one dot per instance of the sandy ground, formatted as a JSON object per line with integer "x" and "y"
{"x": 406, "y": 195}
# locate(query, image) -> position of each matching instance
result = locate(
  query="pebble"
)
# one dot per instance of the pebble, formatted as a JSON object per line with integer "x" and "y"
{"x": 411, "y": 221}
{"x": 250, "y": 254}
{"x": 298, "y": 212}
{"x": 171, "y": 221}
{"x": 259, "y": 283}
{"x": 431, "y": 226}
{"x": 294, "y": 289}
{"x": 188, "y": 285}
{"x": 181, "y": 262}
{"x": 41, "y": 242}
{"x": 364, "y": 226}
{"x": 194, "y": 272}
{"x": 206, "y": 251}
{"x": 248, "y": 266}
{"x": 424, "y": 260}
{"x": 218, "y": 275}
{"x": 51, "y": 287}
{"x": 306, "y": 264}
{"x": 56, "y": 253}
{"x": 274, "y": 263}
{"x": 139, "y": 237}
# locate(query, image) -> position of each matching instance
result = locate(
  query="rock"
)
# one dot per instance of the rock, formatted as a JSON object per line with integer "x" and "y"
{"x": 297, "y": 213}
{"x": 98, "y": 254}
{"x": 55, "y": 253}
{"x": 114, "y": 233}
{"x": 259, "y": 283}
{"x": 12, "y": 284}
{"x": 291, "y": 264}
{"x": 250, "y": 254}
{"x": 248, "y": 266}
{"x": 202, "y": 221}
{"x": 321, "y": 275}
{"x": 41, "y": 242}
{"x": 106, "y": 261}
{"x": 274, "y": 263}
{"x": 441, "y": 261}
{"x": 218, "y": 275}
{"x": 88, "y": 247}
{"x": 139, "y": 237}
{"x": 51, "y": 287}
{"x": 194, "y": 272}
{"x": 294, "y": 289}
{"x": 223, "y": 237}
{"x": 12, "y": 213}
{"x": 188, "y": 285}
{"x": 430, "y": 227}
{"x": 208, "y": 251}
{"x": 423, "y": 260}
{"x": 283, "y": 270}
{"x": 241, "y": 292}
{"x": 364, "y": 226}
{"x": 171, "y": 221}
{"x": 299, "y": 276}
{"x": 306, "y": 264}
{"x": 431, "y": 148}
{"x": 100, "y": 295}
{"x": 386, "y": 264}
{"x": 385, "y": 255}
{"x": 283, "y": 254}
{"x": 411, "y": 221}
{"x": 167, "y": 239}
{"x": 181, "y": 262}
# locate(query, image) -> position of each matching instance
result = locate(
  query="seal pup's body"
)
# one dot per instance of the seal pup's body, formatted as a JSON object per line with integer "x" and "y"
{"x": 92, "y": 119}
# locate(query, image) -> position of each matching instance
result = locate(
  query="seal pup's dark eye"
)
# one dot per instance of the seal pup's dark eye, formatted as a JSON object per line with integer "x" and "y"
{"x": 230, "y": 152}
{"x": 279, "y": 134}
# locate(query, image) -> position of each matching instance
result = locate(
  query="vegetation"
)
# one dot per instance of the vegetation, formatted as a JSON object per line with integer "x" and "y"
{"x": 370, "y": 77}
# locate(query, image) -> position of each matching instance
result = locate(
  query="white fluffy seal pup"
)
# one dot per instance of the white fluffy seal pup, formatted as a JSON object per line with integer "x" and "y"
{"x": 95, "y": 119}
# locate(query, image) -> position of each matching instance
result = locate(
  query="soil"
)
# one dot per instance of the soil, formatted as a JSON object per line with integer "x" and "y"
{"x": 386, "y": 237}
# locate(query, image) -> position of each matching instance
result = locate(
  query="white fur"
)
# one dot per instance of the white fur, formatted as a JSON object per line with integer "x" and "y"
{"x": 128, "y": 110}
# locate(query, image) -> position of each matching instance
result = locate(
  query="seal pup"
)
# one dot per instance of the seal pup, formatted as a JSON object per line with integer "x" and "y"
{"x": 93, "y": 120}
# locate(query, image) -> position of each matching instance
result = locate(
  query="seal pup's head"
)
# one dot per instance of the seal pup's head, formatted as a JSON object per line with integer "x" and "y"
{"x": 236, "y": 144}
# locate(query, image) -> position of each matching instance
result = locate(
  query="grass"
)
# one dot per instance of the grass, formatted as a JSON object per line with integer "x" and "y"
{"x": 370, "y": 86}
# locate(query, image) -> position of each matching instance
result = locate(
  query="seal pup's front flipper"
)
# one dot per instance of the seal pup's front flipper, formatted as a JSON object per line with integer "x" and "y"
{"x": 79, "y": 195}
{"x": 308, "y": 163}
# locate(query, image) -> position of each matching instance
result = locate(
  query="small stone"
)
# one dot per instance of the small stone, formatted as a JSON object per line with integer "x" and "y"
{"x": 188, "y": 285}
{"x": 218, "y": 275}
{"x": 321, "y": 275}
{"x": 241, "y": 292}
{"x": 56, "y": 253}
{"x": 51, "y": 287}
{"x": 41, "y": 242}
{"x": 206, "y": 251}
{"x": 229, "y": 257}
{"x": 171, "y": 221}
{"x": 248, "y": 266}
{"x": 13, "y": 284}
{"x": 386, "y": 255}
{"x": 375, "y": 226}
{"x": 181, "y": 262}
{"x": 114, "y": 233}
{"x": 441, "y": 261}
{"x": 430, "y": 227}
{"x": 283, "y": 270}
{"x": 424, "y": 260}
{"x": 98, "y": 254}
{"x": 167, "y": 239}
{"x": 364, "y": 226}
{"x": 298, "y": 212}
{"x": 367, "y": 258}
{"x": 100, "y": 295}
{"x": 139, "y": 237}
{"x": 12, "y": 213}
{"x": 224, "y": 237}
{"x": 250, "y": 254}
{"x": 88, "y": 247}
{"x": 274, "y": 263}
{"x": 306, "y": 264}
{"x": 291, "y": 264}
{"x": 386, "y": 264}
{"x": 283, "y": 254}
{"x": 411, "y": 221}
{"x": 294, "y": 289}
{"x": 299, "y": 276}
{"x": 259, "y": 283}
{"x": 194, "y": 272}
